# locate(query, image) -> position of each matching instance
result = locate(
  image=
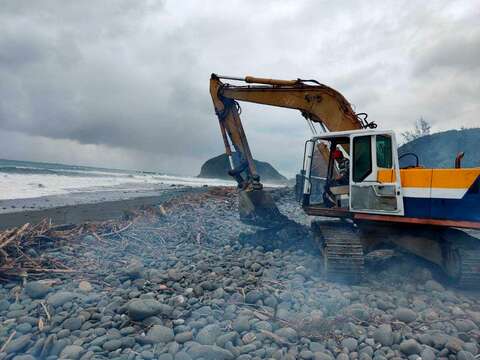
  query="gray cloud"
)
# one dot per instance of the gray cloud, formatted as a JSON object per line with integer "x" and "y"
{"x": 128, "y": 81}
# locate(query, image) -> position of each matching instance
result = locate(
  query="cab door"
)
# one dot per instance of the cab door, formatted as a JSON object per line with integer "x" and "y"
{"x": 375, "y": 185}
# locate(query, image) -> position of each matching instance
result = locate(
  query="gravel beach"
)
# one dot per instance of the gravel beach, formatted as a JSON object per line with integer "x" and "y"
{"x": 193, "y": 282}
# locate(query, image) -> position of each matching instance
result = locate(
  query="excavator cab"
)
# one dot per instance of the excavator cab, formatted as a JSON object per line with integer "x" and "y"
{"x": 362, "y": 174}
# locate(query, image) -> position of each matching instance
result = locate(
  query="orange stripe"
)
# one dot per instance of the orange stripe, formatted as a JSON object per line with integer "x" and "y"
{"x": 435, "y": 178}
{"x": 454, "y": 178}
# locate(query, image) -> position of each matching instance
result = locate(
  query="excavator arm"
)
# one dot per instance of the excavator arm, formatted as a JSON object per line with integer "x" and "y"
{"x": 317, "y": 103}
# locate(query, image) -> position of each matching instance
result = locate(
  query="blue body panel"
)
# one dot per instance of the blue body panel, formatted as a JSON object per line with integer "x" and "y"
{"x": 464, "y": 209}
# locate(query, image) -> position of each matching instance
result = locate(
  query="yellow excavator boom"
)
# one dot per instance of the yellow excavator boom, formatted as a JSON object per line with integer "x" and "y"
{"x": 318, "y": 103}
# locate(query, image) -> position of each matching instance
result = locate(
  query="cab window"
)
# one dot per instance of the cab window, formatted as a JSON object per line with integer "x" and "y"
{"x": 362, "y": 158}
{"x": 384, "y": 151}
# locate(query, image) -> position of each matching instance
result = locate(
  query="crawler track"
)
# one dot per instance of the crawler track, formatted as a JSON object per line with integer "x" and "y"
{"x": 462, "y": 258}
{"x": 342, "y": 250}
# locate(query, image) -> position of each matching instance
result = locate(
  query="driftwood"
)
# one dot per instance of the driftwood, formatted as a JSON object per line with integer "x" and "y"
{"x": 24, "y": 251}
{"x": 33, "y": 251}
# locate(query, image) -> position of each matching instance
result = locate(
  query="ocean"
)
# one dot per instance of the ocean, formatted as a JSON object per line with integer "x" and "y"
{"x": 29, "y": 179}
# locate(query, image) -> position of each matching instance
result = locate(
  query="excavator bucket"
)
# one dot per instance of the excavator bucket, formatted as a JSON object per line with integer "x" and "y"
{"x": 256, "y": 207}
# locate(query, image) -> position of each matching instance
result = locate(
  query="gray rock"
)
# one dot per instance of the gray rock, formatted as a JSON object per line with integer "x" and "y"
{"x": 475, "y": 316}
{"x": 73, "y": 324}
{"x": 183, "y": 337}
{"x": 365, "y": 356}
{"x": 306, "y": 354}
{"x": 71, "y": 352}
{"x": 175, "y": 275}
{"x": 253, "y": 296}
{"x": 134, "y": 270}
{"x": 147, "y": 355}
{"x": 182, "y": 355}
{"x": 60, "y": 298}
{"x": 24, "y": 328}
{"x": 208, "y": 334}
{"x": 4, "y": 305}
{"x": 454, "y": 344}
{"x": 140, "y": 309}
{"x": 197, "y": 351}
{"x": 359, "y": 311}
{"x": 465, "y": 355}
{"x": 241, "y": 324}
{"x": 323, "y": 356}
{"x": 410, "y": 347}
{"x": 384, "y": 335}
{"x": 439, "y": 340}
{"x": 223, "y": 339}
{"x": 18, "y": 344}
{"x": 465, "y": 325}
{"x": 427, "y": 354}
{"x": 405, "y": 315}
{"x": 161, "y": 334}
{"x": 287, "y": 333}
{"x": 37, "y": 289}
{"x": 350, "y": 343}
{"x": 112, "y": 345}
{"x": 471, "y": 347}
{"x": 262, "y": 325}
{"x": 128, "y": 342}
{"x": 24, "y": 357}
{"x": 165, "y": 357}
{"x": 433, "y": 285}
{"x": 245, "y": 349}
{"x": 426, "y": 339}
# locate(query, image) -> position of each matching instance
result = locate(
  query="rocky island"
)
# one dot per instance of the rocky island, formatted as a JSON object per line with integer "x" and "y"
{"x": 218, "y": 167}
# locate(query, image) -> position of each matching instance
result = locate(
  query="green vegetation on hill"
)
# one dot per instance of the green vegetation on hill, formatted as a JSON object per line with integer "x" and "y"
{"x": 440, "y": 149}
{"x": 218, "y": 167}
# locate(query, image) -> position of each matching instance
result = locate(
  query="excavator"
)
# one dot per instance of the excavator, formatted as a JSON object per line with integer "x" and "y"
{"x": 361, "y": 199}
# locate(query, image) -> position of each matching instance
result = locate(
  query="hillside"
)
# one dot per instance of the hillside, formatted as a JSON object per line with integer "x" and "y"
{"x": 218, "y": 167}
{"x": 439, "y": 150}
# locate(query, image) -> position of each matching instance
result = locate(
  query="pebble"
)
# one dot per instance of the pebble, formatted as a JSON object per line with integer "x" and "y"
{"x": 241, "y": 324}
{"x": 384, "y": 335}
{"x": 184, "y": 337}
{"x": 197, "y": 351}
{"x": 410, "y": 347}
{"x": 433, "y": 285}
{"x": 208, "y": 334}
{"x": 71, "y": 352}
{"x": 37, "y": 289}
{"x": 73, "y": 323}
{"x": 112, "y": 345}
{"x": 350, "y": 343}
{"x": 60, "y": 298}
{"x": 18, "y": 344}
{"x": 427, "y": 354}
{"x": 140, "y": 309}
{"x": 205, "y": 299}
{"x": 161, "y": 334}
{"x": 85, "y": 286}
{"x": 405, "y": 315}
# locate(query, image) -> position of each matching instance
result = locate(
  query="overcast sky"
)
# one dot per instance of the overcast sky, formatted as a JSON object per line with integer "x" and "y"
{"x": 124, "y": 83}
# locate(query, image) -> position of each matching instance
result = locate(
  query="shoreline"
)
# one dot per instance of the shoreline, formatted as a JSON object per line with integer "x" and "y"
{"x": 82, "y": 207}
